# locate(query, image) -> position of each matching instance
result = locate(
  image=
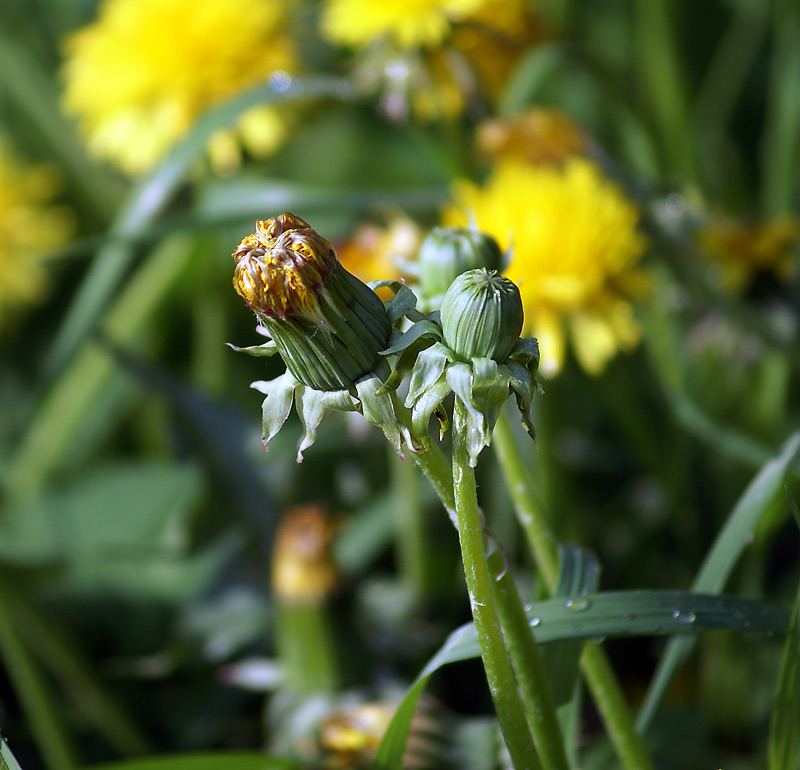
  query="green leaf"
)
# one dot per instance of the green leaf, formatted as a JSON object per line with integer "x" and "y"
{"x": 718, "y": 564}
{"x": 7, "y": 760}
{"x": 585, "y": 616}
{"x": 784, "y": 726}
{"x": 215, "y": 761}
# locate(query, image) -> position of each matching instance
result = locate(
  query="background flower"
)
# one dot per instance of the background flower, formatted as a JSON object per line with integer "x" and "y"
{"x": 575, "y": 254}
{"x": 139, "y": 76}
{"x": 28, "y": 228}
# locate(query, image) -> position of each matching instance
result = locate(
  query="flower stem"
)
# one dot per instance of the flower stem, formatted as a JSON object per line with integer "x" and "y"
{"x": 595, "y": 665}
{"x": 502, "y": 684}
{"x": 534, "y": 687}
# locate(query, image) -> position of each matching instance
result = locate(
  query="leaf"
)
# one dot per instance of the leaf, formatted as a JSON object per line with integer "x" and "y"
{"x": 215, "y": 761}
{"x": 784, "y": 727}
{"x": 585, "y": 616}
{"x": 718, "y": 564}
{"x": 7, "y": 760}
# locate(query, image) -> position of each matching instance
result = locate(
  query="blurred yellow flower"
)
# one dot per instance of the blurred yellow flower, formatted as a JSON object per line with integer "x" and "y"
{"x": 411, "y": 23}
{"x": 139, "y": 76}
{"x": 575, "y": 258}
{"x": 302, "y": 567}
{"x": 537, "y": 135}
{"x": 375, "y": 253}
{"x": 743, "y": 250}
{"x": 28, "y": 228}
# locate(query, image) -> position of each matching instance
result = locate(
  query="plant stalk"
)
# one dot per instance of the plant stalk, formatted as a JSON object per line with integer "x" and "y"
{"x": 595, "y": 665}
{"x": 502, "y": 683}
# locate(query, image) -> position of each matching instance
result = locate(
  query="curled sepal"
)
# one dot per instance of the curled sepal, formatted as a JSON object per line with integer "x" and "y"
{"x": 428, "y": 369}
{"x": 526, "y": 353}
{"x": 276, "y": 405}
{"x": 403, "y": 304}
{"x": 428, "y": 403}
{"x": 269, "y": 348}
{"x": 421, "y": 335}
{"x": 378, "y": 409}
{"x": 524, "y": 386}
{"x": 311, "y": 405}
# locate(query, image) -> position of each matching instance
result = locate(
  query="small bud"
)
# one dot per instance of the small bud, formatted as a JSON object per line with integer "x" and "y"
{"x": 303, "y": 569}
{"x": 482, "y": 316}
{"x": 449, "y": 251}
{"x": 327, "y": 325}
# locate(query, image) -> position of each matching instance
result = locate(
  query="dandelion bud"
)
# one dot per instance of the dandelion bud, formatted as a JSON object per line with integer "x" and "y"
{"x": 449, "y": 251}
{"x": 327, "y": 325}
{"x": 481, "y": 316}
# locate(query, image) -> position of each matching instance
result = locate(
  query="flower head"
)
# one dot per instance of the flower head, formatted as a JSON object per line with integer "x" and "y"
{"x": 327, "y": 326}
{"x": 303, "y": 569}
{"x": 28, "y": 228}
{"x": 413, "y": 23}
{"x": 138, "y": 77}
{"x": 742, "y": 251}
{"x": 575, "y": 254}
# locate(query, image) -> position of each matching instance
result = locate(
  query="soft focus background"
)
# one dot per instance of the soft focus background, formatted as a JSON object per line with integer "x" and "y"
{"x": 160, "y": 576}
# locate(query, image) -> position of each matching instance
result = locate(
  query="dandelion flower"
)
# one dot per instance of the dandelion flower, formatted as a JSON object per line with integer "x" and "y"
{"x": 743, "y": 251}
{"x": 413, "y": 23}
{"x": 28, "y": 227}
{"x": 576, "y": 254}
{"x": 139, "y": 76}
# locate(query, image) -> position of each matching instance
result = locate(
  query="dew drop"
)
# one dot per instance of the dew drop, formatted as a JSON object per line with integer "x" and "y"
{"x": 684, "y": 617}
{"x": 578, "y": 605}
{"x": 535, "y": 622}
{"x": 280, "y": 80}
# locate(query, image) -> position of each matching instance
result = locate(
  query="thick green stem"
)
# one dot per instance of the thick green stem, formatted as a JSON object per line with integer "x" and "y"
{"x": 534, "y": 687}
{"x": 499, "y": 674}
{"x": 595, "y": 666}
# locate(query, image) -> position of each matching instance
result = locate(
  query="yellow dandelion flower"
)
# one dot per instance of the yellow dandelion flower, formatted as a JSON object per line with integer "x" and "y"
{"x": 409, "y": 24}
{"x": 538, "y": 135}
{"x": 742, "y": 251}
{"x": 575, "y": 254}
{"x": 139, "y": 76}
{"x": 28, "y": 228}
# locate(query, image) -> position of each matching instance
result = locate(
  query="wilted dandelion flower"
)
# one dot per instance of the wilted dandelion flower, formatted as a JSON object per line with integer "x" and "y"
{"x": 28, "y": 228}
{"x": 575, "y": 254}
{"x": 741, "y": 251}
{"x": 139, "y": 76}
{"x": 537, "y": 135}
{"x": 376, "y": 252}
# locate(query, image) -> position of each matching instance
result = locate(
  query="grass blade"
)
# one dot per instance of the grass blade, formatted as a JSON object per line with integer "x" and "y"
{"x": 587, "y": 616}
{"x": 216, "y": 761}
{"x": 731, "y": 541}
{"x": 7, "y": 760}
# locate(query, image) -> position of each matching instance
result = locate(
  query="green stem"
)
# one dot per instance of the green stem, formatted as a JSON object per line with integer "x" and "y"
{"x": 413, "y": 548}
{"x": 534, "y": 687}
{"x": 499, "y": 674}
{"x": 596, "y": 668}
{"x": 43, "y": 716}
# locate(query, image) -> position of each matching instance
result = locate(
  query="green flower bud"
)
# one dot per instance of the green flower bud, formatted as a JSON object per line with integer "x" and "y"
{"x": 326, "y": 324}
{"x": 481, "y": 316}
{"x": 449, "y": 251}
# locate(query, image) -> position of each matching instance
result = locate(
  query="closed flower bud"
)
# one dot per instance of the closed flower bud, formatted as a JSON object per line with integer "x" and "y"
{"x": 481, "y": 316}
{"x": 327, "y": 325}
{"x": 449, "y": 251}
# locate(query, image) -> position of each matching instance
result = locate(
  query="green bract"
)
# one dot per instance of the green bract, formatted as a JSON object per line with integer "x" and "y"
{"x": 449, "y": 251}
{"x": 481, "y": 315}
